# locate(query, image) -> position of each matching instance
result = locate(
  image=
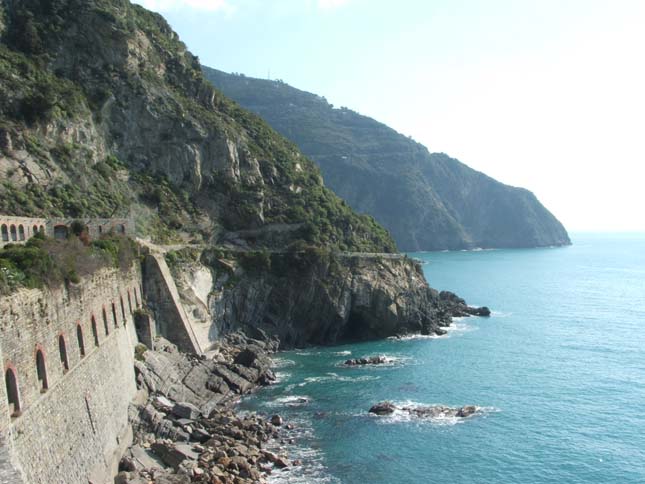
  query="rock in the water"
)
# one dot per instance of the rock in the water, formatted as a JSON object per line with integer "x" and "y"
{"x": 276, "y": 420}
{"x": 383, "y": 408}
{"x": 370, "y": 360}
{"x": 431, "y": 411}
{"x": 466, "y": 411}
{"x": 482, "y": 311}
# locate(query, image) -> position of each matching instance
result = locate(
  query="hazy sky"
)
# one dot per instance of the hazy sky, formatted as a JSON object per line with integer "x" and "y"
{"x": 544, "y": 94}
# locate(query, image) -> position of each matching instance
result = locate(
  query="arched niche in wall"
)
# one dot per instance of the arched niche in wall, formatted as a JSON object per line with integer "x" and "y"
{"x": 105, "y": 321}
{"x": 95, "y": 331}
{"x": 41, "y": 369}
{"x": 13, "y": 393}
{"x": 80, "y": 340}
{"x": 62, "y": 351}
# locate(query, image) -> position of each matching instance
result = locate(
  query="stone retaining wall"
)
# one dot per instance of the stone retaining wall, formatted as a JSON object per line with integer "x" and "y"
{"x": 67, "y": 422}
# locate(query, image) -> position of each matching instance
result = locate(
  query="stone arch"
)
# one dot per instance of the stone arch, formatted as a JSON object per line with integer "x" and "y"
{"x": 114, "y": 319}
{"x": 95, "y": 331}
{"x": 21, "y": 232}
{"x": 61, "y": 231}
{"x": 122, "y": 309}
{"x": 120, "y": 229}
{"x": 5, "y": 233}
{"x": 13, "y": 393}
{"x": 14, "y": 234}
{"x": 130, "y": 302}
{"x": 62, "y": 351}
{"x": 41, "y": 369}
{"x": 42, "y": 229}
{"x": 80, "y": 340}
{"x": 105, "y": 321}
{"x": 34, "y": 230}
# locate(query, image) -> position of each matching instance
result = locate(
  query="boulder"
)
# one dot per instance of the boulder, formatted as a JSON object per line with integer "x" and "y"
{"x": 466, "y": 411}
{"x": 186, "y": 410}
{"x": 383, "y": 408}
{"x": 276, "y": 420}
{"x": 482, "y": 311}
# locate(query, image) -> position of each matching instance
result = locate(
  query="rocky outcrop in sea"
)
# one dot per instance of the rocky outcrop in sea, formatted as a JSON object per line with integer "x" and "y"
{"x": 430, "y": 411}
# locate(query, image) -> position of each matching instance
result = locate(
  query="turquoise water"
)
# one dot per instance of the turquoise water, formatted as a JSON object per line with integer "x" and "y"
{"x": 559, "y": 370}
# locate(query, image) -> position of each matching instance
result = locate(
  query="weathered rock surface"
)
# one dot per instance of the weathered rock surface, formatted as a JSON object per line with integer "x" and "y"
{"x": 187, "y": 430}
{"x": 431, "y": 411}
{"x": 383, "y": 408}
{"x": 319, "y": 297}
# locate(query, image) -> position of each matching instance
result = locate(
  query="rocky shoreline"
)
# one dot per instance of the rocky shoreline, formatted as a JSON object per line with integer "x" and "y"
{"x": 185, "y": 425}
{"x": 186, "y": 428}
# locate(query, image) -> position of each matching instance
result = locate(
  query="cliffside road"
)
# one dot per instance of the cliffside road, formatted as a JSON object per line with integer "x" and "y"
{"x": 164, "y": 249}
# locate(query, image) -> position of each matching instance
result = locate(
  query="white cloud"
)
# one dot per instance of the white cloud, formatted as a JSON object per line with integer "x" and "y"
{"x": 167, "y": 5}
{"x": 331, "y": 4}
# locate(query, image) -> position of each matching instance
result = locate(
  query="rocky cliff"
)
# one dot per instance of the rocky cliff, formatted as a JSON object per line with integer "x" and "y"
{"x": 104, "y": 112}
{"x": 309, "y": 298}
{"x": 428, "y": 201}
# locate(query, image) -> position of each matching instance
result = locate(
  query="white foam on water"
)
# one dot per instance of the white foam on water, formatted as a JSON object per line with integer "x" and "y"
{"x": 330, "y": 377}
{"x": 289, "y": 400}
{"x": 281, "y": 376}
{"x": 282, "y": 362}
{"x": 409, "y": 337}
{"x": 313, "y": 470}
{"x": 342, "y": 353}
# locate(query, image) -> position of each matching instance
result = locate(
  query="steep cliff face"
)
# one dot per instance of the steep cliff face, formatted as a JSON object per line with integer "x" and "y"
{"x": 428, "y": 201}
{"x": 307, "y": 298}
{"x": 104, "y": 112}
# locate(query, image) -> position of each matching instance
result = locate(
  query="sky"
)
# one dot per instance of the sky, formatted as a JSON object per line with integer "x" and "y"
{"x": 544, "y": 94}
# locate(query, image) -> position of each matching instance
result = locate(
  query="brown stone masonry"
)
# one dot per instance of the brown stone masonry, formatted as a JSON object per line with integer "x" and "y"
{"x": 63, "y": 407}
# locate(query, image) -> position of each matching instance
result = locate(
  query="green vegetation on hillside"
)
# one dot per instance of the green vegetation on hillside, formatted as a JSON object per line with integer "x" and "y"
{"x": 117, "y": 119}
{"x": 47, "y": 262}
{"x": 427, "y": 201}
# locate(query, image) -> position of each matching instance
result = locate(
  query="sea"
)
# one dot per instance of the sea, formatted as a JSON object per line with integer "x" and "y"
{"x": 558, "y": 371}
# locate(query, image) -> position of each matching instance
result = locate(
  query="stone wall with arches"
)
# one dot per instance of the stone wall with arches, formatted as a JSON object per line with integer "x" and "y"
{"x": 69, "y": 377}
{"x": 16, "y": 230}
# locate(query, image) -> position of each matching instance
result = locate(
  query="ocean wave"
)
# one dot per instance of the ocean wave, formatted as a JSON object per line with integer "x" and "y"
{"x": 458, "y": 326}
{"x": 331, "y": 377}
{"x": 410, "y": 337}
{"x": 313, "y": 469}
{"x": 282, "y": 362}
{"x": 289, "y": 401}
{"x": 281, "y": 376}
